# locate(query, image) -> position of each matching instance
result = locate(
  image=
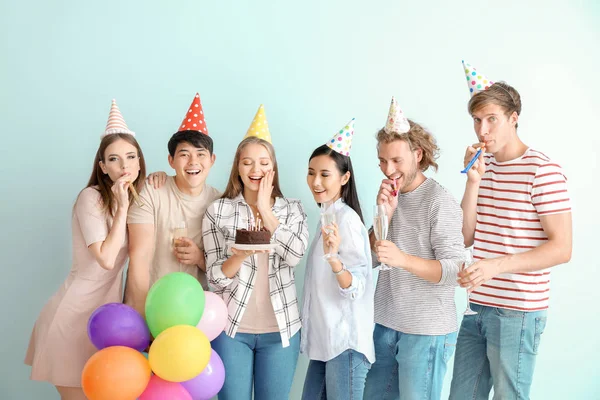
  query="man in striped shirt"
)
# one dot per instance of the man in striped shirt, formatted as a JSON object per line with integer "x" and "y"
{"x": 415, "y": 313}
{"x": 517, "y": 217}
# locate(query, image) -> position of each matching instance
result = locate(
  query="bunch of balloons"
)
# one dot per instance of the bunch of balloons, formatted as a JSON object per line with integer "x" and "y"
{"x": 180, "y": 364}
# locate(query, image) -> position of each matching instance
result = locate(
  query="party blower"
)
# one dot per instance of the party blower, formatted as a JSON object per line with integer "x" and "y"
{"x": 470, "y": 164}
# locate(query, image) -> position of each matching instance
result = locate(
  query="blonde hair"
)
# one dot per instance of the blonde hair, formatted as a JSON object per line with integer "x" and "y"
{"x": 235, "y": 186}
{"x": 417, "y": 137}
{"x": 500, "y": 94}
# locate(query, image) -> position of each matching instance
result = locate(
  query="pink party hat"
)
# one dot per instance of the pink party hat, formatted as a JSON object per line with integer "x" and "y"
{"x": 116, "y": 123}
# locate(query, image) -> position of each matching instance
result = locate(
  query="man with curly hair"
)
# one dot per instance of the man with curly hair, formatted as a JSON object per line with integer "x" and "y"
{"x": 415, "y": 313}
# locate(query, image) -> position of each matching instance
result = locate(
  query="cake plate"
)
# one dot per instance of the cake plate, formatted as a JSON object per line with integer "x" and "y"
{"x": 270, "y": 246}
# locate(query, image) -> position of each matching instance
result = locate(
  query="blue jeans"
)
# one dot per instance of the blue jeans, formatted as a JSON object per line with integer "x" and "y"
{"x": 257, "y": 359}
{"x": 496, "y": 347}
{"x": 338, "y": 379}
{"x": 408, "y": 367}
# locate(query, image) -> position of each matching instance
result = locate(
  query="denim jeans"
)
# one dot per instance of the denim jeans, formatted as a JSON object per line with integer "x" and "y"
{"x": 496, "y": 347}
{"x": 259, "y": 360}
{"x": 408, "y": 367}
{"x": 342, "y": 378}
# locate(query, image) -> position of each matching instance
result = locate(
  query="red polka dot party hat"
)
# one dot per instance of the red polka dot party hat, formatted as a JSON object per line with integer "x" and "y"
{"x": 194, "y": 118}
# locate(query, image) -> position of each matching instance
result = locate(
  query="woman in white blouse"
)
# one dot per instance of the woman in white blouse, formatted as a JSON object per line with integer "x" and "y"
{"x": 337, "y": 314}
{"x": 261, "y": 341}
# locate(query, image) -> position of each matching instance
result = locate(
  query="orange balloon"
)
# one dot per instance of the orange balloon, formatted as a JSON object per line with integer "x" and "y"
{"x": 115, "y": 373}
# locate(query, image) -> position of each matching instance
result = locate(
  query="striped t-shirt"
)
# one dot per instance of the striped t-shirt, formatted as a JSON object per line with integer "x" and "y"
{"x": 512, "y": 197}
{"x": 428, "y": 224}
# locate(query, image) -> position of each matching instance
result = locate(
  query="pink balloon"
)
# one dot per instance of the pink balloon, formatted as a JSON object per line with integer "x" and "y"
{"x": 214, "y": 317}
{"x": 159, "y": 389}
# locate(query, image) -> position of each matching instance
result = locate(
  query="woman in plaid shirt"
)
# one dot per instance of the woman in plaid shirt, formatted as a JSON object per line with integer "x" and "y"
{"x": 261, "y": 341}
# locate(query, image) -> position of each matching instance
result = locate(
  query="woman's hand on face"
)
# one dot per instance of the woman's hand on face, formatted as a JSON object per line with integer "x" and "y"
{"x": 120, "y": 189}
{"x": 265, "y": 191}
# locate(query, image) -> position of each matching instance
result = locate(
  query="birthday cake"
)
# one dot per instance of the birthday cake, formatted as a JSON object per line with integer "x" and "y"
{"x": 245, "y": 236}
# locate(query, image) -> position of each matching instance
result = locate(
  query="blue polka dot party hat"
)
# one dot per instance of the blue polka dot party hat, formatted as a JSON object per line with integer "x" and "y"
{"x": 476, "y": 81}
{"x": 342, "y": 140}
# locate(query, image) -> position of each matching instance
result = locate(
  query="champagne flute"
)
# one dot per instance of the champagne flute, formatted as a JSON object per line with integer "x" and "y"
{"x": 380, "y": 228}
{"x": 327, "y": 219}
{"x": 467, "y": 263}
{"x": 179, "y": 231}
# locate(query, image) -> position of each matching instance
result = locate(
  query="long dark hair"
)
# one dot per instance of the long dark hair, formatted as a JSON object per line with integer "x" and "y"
{"x": 103, "y": 181}
{"x": 343, "y": 164}
{"x": 235, "y": 185}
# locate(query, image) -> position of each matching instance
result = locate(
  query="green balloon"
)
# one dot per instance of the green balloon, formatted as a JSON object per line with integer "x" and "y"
{"x": 175, "y": 299}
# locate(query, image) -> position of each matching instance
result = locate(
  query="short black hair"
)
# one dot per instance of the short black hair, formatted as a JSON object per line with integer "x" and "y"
{"x": 196, "y": 138}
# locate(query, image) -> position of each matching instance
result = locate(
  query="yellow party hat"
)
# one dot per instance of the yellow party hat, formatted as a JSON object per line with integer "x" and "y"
{"x": 259, "y": 126}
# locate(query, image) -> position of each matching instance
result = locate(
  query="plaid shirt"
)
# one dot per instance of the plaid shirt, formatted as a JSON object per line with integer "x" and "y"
{"x": 221, "y": 220}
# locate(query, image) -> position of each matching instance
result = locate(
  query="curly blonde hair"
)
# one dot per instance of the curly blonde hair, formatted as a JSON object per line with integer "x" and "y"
{"x": 417, "y": 138}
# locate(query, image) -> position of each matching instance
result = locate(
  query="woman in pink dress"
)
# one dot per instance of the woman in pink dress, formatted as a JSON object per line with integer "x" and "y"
{"x": 59, "y": 345}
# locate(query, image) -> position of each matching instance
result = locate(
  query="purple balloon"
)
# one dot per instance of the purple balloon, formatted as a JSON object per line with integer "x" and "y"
{"x": 116, "y": 324}
{"x": 206, "y": 385}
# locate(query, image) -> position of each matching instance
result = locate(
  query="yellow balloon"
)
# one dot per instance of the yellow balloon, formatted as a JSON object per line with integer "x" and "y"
{"x": 179, "y": 353}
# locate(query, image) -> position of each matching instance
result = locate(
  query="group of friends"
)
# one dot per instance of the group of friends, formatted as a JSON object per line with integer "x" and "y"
{"x": 389, "y": 339}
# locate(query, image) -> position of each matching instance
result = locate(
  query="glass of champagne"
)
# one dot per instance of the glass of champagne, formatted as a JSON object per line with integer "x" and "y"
{"x": 467, "y": 263}
{"x": 327, "y": 219}
{"x": 179, "y": 231}
{"x": 380, "y": 228}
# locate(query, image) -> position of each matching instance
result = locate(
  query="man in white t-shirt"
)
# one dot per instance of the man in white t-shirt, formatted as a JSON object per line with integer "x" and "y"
{"x": 165, "y": 234}
{"x": 517, "y": 217}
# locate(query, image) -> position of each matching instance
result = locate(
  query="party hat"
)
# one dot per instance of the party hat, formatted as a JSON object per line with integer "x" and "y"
{"x": 396, "y": 122}
{"x": 476, "y": 81}
{"x": 342, "y": 140}
{"x": 259, "y": 126}
{"x": 116, "y": 123}
{"x": 194, "y": 119}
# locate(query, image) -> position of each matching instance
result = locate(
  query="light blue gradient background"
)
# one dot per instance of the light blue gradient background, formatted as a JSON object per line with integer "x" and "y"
{"x": 314, "y": 65}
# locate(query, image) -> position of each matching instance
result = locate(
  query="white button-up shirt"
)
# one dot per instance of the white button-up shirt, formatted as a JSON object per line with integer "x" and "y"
{"x": 222, "y": 219}
{"x": 335, "y": 319}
